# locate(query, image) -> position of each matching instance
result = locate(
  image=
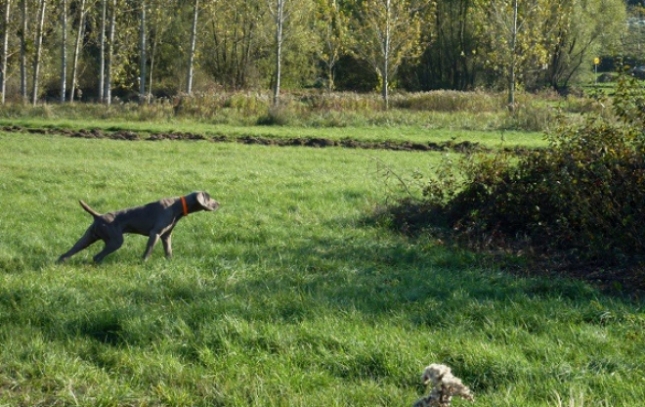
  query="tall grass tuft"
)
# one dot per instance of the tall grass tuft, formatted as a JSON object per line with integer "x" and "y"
{"x": 436, "y": 109}
{"x": 449, "y": 101}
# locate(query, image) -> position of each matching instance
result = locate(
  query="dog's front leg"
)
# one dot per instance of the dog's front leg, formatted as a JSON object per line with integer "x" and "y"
{"x": 166, "y": 239}
{"x": 152, "y": 241}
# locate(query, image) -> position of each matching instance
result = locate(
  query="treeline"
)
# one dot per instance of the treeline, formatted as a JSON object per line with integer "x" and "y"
{"x": 96, "y": 50}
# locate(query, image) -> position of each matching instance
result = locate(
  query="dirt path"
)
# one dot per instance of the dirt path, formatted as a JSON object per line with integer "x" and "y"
{"x": 127, "y": 135}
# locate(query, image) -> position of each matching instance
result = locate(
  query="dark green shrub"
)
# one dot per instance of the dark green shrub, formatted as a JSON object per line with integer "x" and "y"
{"x": 585, "y": 194}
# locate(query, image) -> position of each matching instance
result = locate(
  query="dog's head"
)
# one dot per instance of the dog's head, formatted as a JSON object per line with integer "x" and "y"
{"x": 205, "y": 201}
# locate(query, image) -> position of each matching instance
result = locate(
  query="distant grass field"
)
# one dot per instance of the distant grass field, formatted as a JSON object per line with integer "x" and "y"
{"x": 397, "y": 133}
{"x": 289, "y": 295}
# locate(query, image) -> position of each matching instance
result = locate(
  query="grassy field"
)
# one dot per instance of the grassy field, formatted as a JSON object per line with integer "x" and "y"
{"x": 289, "y": 295}
{"x": 413, "y": 133}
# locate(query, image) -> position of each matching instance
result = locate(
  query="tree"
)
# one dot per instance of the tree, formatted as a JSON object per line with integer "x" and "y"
{"x": 520, "y": 36}
{"x": 102, "y": 51}
{"x": 23, "y": 51}
{"x": 63, "y": 51}
{"x": 289, "y": 16}
{"x": 455, "y": 41}
{"x": 142, "y": 53}
{"x": 585, "y": 27}
{"x": 280, "y": 16}
{"x": 5, "y": 50}
{"x": 386, "y": 32}
{"x": 109, "y": 59}
{"x": 39, "y": 50}
{"x": 191, "y": 52}
{"x": 159, "y": 20}
{"x": 235, "y": 40}
{"x": 330, "y": 26}
{"x": 77, "y": 48}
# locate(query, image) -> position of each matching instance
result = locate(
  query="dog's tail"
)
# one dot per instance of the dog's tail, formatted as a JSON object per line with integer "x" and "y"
{"x": 89, "y": 210}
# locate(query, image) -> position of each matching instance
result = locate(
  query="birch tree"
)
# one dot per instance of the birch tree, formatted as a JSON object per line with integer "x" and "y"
{"x": 102, "y": 51}
{"x": 280, "y": 16}
{"x": 142, "y": 53}
{"x": 5, "y": 50}
{"x": 330, "y": 27}
{"x": 80, "y": 30}
{"x": 386, "y": 32}
{"x": 39, "y": 50}
{"x": 520, "y": 38}
{"x": 192, "y": 48}
{"x": 288, "y": 16}
{"x": 63, "y": 51}
{"x": 109, "y": 58}
{"x": 23, "y": 50}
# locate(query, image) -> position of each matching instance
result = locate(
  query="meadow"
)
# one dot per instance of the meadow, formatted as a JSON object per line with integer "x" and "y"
{"x": 291, "y": 294}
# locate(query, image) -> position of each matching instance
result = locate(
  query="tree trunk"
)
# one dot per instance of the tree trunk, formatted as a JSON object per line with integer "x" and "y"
{"x": 23, "y": 52}
{"x": 153, "y": 53}
{"x": 5, "y": 51}
{"x": 511, "y": 73}
{"x": 386, "y": 56}
{"x": 102, "y": 57}
{"x": 142, "y": 54}
{"x": 77, "y": 50}
{"x": 191, "y": 55}
{"x": 63, "y": 68}
{"x": 39, "y": 50}
{"x": 279, "y": 21}
{"x": 107, "y": 91}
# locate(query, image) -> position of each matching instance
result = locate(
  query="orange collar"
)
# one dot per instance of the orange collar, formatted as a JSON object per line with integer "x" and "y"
{"x": 184, "y": 206}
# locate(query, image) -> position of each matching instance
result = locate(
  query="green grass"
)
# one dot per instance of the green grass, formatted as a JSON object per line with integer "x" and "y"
{"x": 286, "y": 296}
{"x": 413, "y": 133}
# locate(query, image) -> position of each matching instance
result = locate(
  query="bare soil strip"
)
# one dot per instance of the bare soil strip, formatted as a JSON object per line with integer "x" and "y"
{"x": 127, "y": 135}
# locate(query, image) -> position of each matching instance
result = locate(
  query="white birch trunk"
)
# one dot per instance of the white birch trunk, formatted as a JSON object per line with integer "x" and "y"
{"x": 191, "y": 56}
{"x": 107, "y": 92}
{"x": 102, "y": 57}
{"x": 77, "y": 50}
{"x": 386, "y": 56}
{"x": 63, "y": 68}
{"x": 153, "y": 52}
{"x": 511, "y": 73}
{"x": 142, "y": 54}
{"x": 279, "y": 21}
{"x": 39, "y": 50}
{"x": 5, "y": 51}
{"x": 23, "y": 52}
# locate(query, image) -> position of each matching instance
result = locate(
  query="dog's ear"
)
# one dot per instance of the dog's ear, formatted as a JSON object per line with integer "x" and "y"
{"x": 206, "y": 202}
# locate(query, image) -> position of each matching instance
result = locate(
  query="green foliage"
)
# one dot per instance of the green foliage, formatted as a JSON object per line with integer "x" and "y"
{"x": 583, "y": 194}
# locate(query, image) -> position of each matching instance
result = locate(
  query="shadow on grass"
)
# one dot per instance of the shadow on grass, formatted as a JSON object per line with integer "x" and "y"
{"x": 374, "y": 273}
{"x": 383, "y": 277}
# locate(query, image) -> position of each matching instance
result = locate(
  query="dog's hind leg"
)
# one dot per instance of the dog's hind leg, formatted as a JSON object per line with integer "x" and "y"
{"x": 111, "y": 245}
{"x": 87, "y": 239}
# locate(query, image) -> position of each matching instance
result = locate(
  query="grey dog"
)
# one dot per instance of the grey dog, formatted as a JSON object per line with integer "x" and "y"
{"x": 155, "y": 220}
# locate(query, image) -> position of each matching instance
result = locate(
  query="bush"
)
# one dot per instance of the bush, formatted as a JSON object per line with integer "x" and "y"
{"x": 585, "y": 194}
